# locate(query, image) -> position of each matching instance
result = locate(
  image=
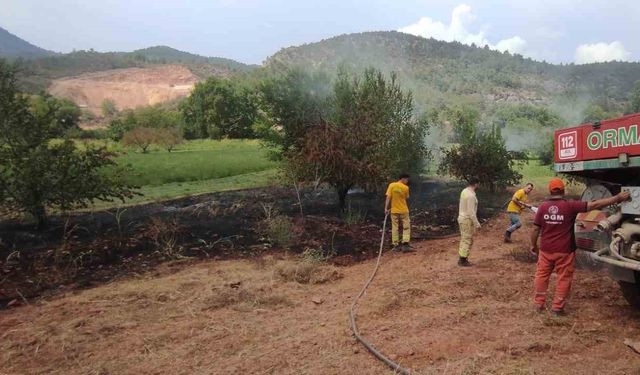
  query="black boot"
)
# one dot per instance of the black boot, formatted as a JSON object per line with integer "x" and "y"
{"x": 406, "y": 248}
{"x": 463, "y": 262}
{"x": 507, "y": 237}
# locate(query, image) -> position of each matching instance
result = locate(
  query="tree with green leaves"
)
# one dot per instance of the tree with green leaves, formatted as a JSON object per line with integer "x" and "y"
{"x": 370, "y": 133}
{"x": 482, "y": 154}
{"x": 109, "y": 109}
{"x": 152, "y": 117}
{"x": 141, "y": 137}
{"x": 169, "y": 138}
{"x": 219, "y": 108}
{"x": 634, "y": 98}
{"x": 37, "y": 173}
{"x": 596, "y": 112}
{"x": 294, "y": 101}
{"x": 65, "y": 113}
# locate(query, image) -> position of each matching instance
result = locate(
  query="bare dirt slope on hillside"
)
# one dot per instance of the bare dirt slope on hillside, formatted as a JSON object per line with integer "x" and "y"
{"x": 249, "y": 316}
{"x": 128, "y": 88}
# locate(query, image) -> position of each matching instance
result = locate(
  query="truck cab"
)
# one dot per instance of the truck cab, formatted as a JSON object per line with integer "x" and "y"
{"x": 605, "y": 155}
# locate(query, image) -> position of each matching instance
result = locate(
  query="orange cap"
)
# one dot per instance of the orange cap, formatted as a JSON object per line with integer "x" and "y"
{"x": 556, "y": 184}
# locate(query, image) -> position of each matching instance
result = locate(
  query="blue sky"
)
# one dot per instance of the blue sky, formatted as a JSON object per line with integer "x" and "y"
{"x": 251, "y": 30}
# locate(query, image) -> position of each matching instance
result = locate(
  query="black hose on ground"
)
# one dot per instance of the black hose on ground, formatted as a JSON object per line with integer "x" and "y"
{"x": 352, "y": 315}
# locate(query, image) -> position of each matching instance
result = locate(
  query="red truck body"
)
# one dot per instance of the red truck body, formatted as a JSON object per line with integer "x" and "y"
{"x": 606, "y": 155}
{"x": 605, "y": 140}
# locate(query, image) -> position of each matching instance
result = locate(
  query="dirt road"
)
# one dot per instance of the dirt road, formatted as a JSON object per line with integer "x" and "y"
{"x": 251, "y": 316}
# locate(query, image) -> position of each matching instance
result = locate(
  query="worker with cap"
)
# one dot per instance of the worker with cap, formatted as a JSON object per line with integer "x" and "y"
{"x": 554, "y": 223}
{"x": 516, "y": 205}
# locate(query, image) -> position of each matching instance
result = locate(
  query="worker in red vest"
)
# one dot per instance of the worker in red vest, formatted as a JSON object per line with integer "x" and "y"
{"x": 554, "y": 223}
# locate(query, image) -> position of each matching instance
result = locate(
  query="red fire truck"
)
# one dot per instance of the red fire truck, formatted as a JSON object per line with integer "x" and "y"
{"x": 606, "y": 155}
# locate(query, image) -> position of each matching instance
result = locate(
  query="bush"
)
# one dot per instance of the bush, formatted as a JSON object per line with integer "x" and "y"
{"x": 546, "y": 153}
{"x": 153, "y": 117}
{"x": 280, "y": 231}
{"x": 108, "y": 108}
{"x": 139, "y": 137}
{"x": 368, "y": 135}
{"x": 219, "y": 108}
{"x": 62, "y": 113}
{"x": 169, "y": 138}
{"x": 165, "y": 235}
{"x": 483, "y": 155}
{"x": 353, "y": 216}
{"x": 36, "y": 173}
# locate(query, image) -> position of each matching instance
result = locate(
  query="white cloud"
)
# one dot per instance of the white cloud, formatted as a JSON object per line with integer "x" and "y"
{"x": 514, "y": 44}
{"x": 458, "y": 29}
{"x": 601, "y": 52}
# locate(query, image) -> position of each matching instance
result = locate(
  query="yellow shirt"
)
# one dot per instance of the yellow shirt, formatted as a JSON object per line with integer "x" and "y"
{"x": 398, "y": 192}
{"x": 522, "y": 197}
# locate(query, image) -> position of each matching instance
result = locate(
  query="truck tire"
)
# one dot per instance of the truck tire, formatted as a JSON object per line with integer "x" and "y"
{"x": 631, "y": 292}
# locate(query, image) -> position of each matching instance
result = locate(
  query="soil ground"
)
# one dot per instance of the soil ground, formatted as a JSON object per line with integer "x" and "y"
{"x": 279, "y": 314}
{"x": 127, "y": 88}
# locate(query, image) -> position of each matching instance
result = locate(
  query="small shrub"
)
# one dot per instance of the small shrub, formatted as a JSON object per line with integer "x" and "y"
{"x": 169, "y": 138}
{"x": 141, "y": 137}
{"x": 482, "y": 154}
{"x": 280, "y": 231}
{"x": 313, "y": 255}
{"x": 165, "y": 235}
{"x": 353, "y": 216}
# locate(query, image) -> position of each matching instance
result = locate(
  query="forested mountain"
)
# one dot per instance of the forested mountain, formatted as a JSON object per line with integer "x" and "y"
{"x": 13, "y": 47}
{"x": 172, "y": 55}
{"x": 37, "y": 67}
{"x": 433, "y": 68}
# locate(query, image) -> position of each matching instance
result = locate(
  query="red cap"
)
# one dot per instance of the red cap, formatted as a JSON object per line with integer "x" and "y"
{"x": 556, "y": 185}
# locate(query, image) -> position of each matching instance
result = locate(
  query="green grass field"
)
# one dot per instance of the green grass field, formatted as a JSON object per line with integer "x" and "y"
{"x": 195, "y": 161}
{"x": 205, "y": 166}
{"x": 539, "y": 176}
{"x": 196, "y": 167}
{"x": 182, "y": 189}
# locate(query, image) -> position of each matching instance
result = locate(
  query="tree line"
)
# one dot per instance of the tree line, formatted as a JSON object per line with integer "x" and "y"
{"x": 345, "y": 129}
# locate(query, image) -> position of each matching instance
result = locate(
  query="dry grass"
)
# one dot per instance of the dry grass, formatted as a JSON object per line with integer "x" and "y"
{"x": 165, "y": 235}
{"x": 248, "y": 316}
{"x": 244, "y": 298}
{"x": 159, "y": 318}
{"x": 307, "y": 272}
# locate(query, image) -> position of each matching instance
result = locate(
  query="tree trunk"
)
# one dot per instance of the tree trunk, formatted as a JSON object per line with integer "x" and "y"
{"x": 40, "y": 214}
{"x": 342, "y": 195}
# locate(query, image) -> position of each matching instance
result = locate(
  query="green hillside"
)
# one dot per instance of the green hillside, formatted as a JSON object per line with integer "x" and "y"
{"x": 36, "y": 74}
{"x": 168, "y": 54}
{"x": 13, "y": 47}
{"x": 433, "y": 69}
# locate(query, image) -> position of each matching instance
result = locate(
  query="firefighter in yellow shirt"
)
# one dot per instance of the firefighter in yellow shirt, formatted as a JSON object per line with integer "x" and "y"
{"x": 516, "y": 205}
{"x": 396, "y": 205}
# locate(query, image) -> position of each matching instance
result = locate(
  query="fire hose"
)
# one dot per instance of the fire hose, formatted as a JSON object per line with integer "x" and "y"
{"x": 352, "y": 314}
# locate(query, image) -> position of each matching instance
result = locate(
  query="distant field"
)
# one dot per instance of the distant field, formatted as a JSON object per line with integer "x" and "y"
{"x": 196, "y": 167}
{"x": 196, "y": 161}
{"x": 539, "y": 176}
{"x": 182, "y": 189}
